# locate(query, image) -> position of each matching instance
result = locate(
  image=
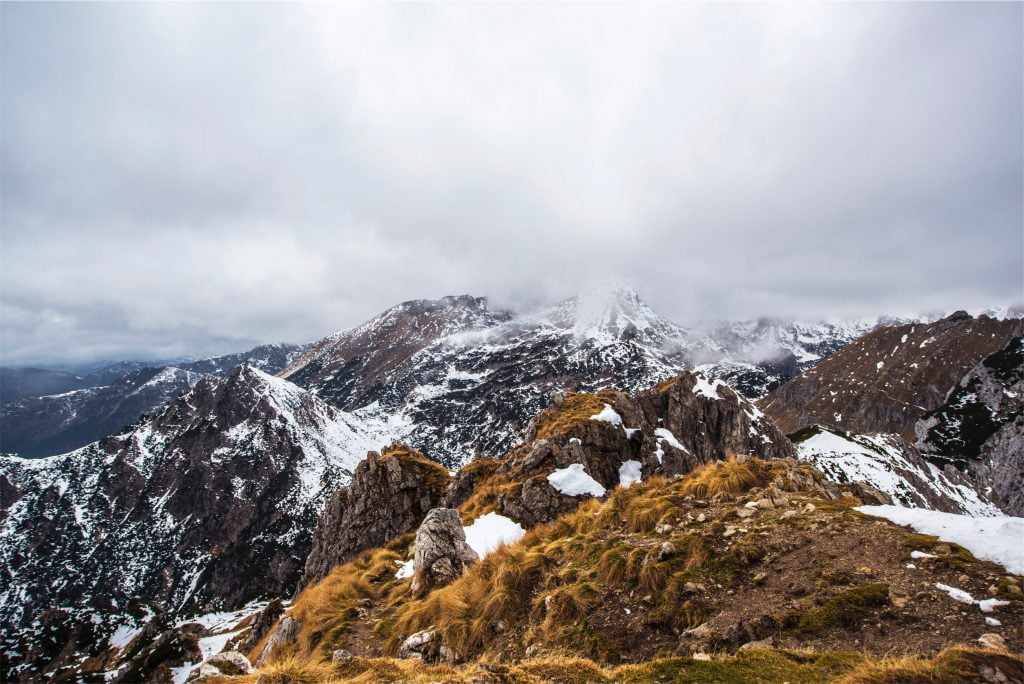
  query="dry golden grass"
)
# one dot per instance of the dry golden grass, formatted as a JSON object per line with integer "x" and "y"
{"x": 727, "y": 477}
{"x": 951, "y": 666}
{"x": 574, "y": 409}
{"x": 665, "y": 384}
{"x": 295, "y": 670}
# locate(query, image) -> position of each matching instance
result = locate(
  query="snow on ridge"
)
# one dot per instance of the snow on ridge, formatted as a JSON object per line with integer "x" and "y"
{"x": 608, "y": 415}
{"x": 573, "y": 480}
{"x": 994, "y": 538}
{"x": 490, "y": 531}
{"x": 705, "y": 388}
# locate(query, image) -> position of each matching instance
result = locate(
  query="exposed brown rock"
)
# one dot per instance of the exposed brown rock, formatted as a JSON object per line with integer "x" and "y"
{"x": 704, "y": 421}
{"x": 389, "y": 494}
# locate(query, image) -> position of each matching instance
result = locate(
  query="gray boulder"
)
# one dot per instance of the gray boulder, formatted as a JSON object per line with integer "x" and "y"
{"x": 441, "y": 553}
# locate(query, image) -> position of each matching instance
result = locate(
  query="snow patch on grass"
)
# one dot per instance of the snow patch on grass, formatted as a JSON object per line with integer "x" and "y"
{"x": 573, "y": 480}
{"x": 490, "y": 531}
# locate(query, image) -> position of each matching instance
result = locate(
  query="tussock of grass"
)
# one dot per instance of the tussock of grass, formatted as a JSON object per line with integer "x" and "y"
{"x": 295, "y": 670}
{"x": 727, "y": 477}
{"x": 575, "y": 408}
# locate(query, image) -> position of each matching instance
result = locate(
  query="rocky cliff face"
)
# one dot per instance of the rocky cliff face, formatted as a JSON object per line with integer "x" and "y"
{"x": 979, "y": 429}
{"x": 585, "y": 445}
{"x": 390, "y": 494}
{"x": 106, "y": 401}
{"x": 889, "y": 379}
{"x": 232, "y": 475}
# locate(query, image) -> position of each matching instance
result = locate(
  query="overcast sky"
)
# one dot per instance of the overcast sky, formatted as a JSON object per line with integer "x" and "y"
{"x": 196, "y": 178}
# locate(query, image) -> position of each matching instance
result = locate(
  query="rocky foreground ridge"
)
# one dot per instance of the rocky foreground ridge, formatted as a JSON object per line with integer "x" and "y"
{"x": 666, "y": 533}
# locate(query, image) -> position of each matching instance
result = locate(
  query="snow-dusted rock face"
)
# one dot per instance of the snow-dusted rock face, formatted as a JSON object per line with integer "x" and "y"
{"x": 887, "y": 380}
{"x": 979, "y": 429}
{"x": 209, "y": 502}
{"x": 581, "y": 446}
{"x": 457, "y": 380}
{"x": 116, "y": 396}
{"x": 894, "y": 467}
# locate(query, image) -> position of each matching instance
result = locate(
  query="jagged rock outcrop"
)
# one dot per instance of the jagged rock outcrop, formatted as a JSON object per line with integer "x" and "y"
{"x": 230, "y": 476}
{"x": 160, "y": 647}
{"x": 390, "y": 494}
{"x": 263, "y": 623}
{"x": 887, "y": 380}
{"x": 669, "y": 430}
{"x": 441, "y": 553}
{"x": 979, "y": 429}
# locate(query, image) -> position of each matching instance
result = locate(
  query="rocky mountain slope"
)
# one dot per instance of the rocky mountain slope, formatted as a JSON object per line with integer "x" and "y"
{"x": 209, "y": 502}
{"x": 854, "y": 414}
{"x": 461, "y": 381}
{"x": 103, "y": 402}
{"x": 890, "y": 378}
{"x": 979, "y": 429}
{"x": 891, "y": 465}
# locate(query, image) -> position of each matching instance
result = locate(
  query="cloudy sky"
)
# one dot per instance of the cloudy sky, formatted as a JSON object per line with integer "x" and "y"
{"x": 194, "y": 178}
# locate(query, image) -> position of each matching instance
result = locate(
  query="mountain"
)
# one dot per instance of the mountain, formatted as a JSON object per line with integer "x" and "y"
{"x": 209, "y": 502}
{"x": 890, "y": 378}
{"x": 56, "y": 423}
{"x": 460, "y": 381}
{"x": 18, "y": 383}
{"x": 979, "y": 429}
{"x": 908, "y": 408}
{"x": 763, "y": 354}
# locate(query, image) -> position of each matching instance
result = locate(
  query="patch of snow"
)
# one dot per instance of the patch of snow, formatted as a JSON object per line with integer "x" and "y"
{"x": 123, "y": 636}
{"x": 992, "y": 622}
{"x": 662, "y": 433}
{"x": 996, "y": 538}
{"x": 608, "y": 415}
{"x": 707, "y": 389}
{"x": 629, "y": 472}
{"x": 212, "y": 645}
{"x": 988, "y": 605}
{"x": 958, "y": 595}
{"x": 180, "y": 674}
{"x": 573, "y": 480}
{"x": 404, "y": 569}
{"x": 921, "y": 554}
{"x": 490, "y": 531}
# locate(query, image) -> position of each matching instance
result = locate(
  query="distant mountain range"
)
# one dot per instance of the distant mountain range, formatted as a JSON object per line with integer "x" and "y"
{"x": 52, "y": 412}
